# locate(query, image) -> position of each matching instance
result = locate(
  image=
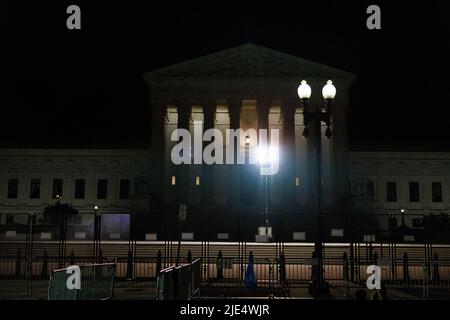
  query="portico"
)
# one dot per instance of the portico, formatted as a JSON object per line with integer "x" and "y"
{"x": 247, "y": 87}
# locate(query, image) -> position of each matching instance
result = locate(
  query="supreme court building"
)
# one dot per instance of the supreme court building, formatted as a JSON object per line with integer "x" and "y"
{"x": 246, "y": 87}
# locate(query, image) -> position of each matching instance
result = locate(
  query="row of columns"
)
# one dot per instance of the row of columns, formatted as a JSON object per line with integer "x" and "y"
{"x": 287, "y": 152}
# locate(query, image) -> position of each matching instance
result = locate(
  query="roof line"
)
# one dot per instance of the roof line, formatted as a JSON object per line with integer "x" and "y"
{"x": 249, "y": 45}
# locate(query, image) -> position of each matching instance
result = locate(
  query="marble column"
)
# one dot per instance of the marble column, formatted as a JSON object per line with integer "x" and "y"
{"x": 312, "y": 163}
{"x": 157, "y": 157}
{"x": 183, "y": 183}
{"x": 287, "y": 156}
{"x": 234, "y": 112}
{"x": 263, "y": 123}
{"x": 207, "y": 182}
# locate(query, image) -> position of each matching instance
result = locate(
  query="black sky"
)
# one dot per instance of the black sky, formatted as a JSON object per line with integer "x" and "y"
{"x": 84, "y": 88}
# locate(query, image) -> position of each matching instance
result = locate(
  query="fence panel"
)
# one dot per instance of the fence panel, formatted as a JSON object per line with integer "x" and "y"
{"x": 97, "y": 281}
{"x": 182, "y": 282}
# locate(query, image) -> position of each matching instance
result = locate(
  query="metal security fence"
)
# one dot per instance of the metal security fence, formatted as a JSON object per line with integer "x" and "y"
{"x": 270, "y": 273}
{"x": 142, "y": 268}
{"x": 181, "y": 282}
{"x": 238, "y": 226}
{"x": 32, "y": 246}
{"x": 419, "y": 277}
{"x": 21, "y": 276}
{"x": 233, "y": 269}
{"x": 97, "y": 282}
{"x": 57, "y": 289}
{"x": 413, "y": 275}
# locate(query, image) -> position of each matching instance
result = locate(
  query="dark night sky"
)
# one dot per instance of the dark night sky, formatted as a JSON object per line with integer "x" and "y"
{"x": 84, "y": 88}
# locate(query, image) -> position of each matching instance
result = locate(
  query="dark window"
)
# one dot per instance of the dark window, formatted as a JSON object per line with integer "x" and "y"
{"x": 370, "y": 190}
{"x": 9, "y": 219}
{"x": 102, "y": 189}
{"x": 124, "y": 189}
{"x": 79, "y": 188}
{"x": 13, "y": 186}
{"x": 436, "y": 191}
{"x": 57, "y": 189}
{"x": 35, "y": 189}
{"x": 414, "y": 195}
{"x": 391, "y": 191}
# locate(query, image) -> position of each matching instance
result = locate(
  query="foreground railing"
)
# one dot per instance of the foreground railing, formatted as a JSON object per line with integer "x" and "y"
{"x": 96, "y": 282}
{"x": 422, "y": 278}
{"x": 180, "y": 282}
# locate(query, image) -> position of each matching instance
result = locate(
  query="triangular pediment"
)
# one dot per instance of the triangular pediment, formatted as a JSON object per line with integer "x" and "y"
{"x": 249, "y": 60}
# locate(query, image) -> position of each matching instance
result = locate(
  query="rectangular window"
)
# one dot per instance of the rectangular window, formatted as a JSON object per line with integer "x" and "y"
{"x": 35, "y": 189}
{"x": 79, "y": 188}
{"x": 174, "y": 180}
{"x": 436, "y": 191}
{"x": 297, "y": 181}
{"x": 124, "y": 189}
{"x": 102, "y": 189}
{"x": 414, "y": 195}
{"x": 57, "y": 189}
{"x": 197, "y": 180}
{"x": 391, "y": 191}
{"x": 13, "y": 187}
{"x": 370, "y": 190}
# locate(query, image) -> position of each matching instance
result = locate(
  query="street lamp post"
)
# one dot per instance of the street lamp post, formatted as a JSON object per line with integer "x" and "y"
{"x": 266, "y": 205}
{"x": 267, "y": 156}
{"x": 318, "y": 284}
{"x": 97, "y": 234}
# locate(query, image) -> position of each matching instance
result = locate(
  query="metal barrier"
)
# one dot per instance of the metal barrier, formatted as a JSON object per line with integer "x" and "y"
{"x": 21, "y": 277}
{"x": 413, "y": 274}
{"x": 97, "y": 282}
{"x": 182, "y": 282}
{"x": 268, "y": 272}
{"x": 164, "y": 284}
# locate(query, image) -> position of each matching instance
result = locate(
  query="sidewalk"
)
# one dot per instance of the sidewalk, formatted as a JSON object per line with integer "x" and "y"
{"x": 147, "y": 291}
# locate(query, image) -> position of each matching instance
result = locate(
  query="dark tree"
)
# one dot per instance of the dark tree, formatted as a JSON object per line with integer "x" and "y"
{"x": 53, "y": 213}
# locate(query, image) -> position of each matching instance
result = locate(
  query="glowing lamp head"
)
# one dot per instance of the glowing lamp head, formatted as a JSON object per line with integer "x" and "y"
{"x": 329, "y": 91}
{"x": 267, "y": 155}
{"x": 95, "y": 207}
{"x": 304, "y": 90}
{"x": 262, "y": 155}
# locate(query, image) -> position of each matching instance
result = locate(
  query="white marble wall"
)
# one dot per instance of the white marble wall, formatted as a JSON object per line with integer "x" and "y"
{"x": 69, "y": 165}
{"x": 401, "y": 167}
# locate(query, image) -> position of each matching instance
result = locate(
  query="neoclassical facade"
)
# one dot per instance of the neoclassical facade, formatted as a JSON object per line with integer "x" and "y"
{"x": 388, "y": 182}
{"x": 247, "y": 87}
{"x": 116, "y": 181}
